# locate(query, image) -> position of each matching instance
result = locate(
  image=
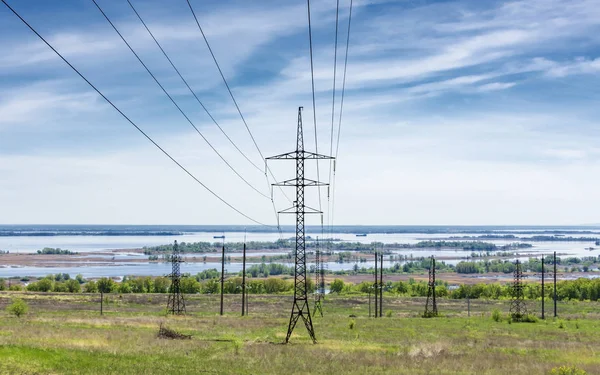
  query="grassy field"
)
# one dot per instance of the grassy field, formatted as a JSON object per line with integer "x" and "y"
{"x": 64, "y": 334}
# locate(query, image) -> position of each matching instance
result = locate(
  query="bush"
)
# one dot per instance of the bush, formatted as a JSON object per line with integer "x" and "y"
{"x": 388, "y": 313}
{"x": 567, "y": 370}
{"x": 73, "y": 286}
{"x": 337, "y": 286}
{"x": 17, "y": 308}
{"x": 529, "y": 318}
{"x": 496, "y": 315}
{"x": 90, "y": 287}
{"x": 351, "y": 324}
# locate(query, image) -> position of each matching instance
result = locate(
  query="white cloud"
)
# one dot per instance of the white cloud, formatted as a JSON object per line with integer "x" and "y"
{"x": 428, "y": 137}
{"x": 44, "y": 102}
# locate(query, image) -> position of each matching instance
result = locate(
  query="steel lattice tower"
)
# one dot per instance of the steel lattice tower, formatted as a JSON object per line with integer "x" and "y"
{"x": 318, "y": 295}
{"x": 518, "y": 308}
{"x": 431, "y": 305}
{"x": 300, "y": 308}
{"x": 175, "y": 304}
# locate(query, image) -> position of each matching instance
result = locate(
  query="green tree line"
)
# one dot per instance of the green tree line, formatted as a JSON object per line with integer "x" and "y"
{"x": 581, "y": 289}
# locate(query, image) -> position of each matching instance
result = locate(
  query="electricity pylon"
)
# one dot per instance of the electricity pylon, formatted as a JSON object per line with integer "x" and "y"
{"x": 176, "y": 303}
{"x": 300, "y": 308}
{"x": 319, "y": 282}
{"x": 431, "y": 305}
{"x": 518, "y": 308}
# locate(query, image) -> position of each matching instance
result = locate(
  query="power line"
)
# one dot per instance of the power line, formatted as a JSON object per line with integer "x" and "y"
{"x": 233, "y": 98}
{"x": 129, "y": 120}
{"x": 175, "y": 103}
{"x": 335, "y": 48}
{"x": 344, "y": 80}
{"x": 189, "y": 88}
{"x": 312, "y": 76}
{"x": 341, "y": 111}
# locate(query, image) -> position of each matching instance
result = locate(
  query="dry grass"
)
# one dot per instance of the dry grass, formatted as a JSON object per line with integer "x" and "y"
{"x": 66, "y": 334}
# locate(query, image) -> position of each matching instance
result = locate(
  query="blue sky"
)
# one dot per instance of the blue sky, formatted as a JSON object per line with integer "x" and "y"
{"x": 456, "y": 112}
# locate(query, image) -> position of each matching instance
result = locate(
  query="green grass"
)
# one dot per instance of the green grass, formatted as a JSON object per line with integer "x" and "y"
{"x": 65, "y": 334}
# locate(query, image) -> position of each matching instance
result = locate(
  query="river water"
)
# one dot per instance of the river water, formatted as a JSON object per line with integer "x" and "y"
{"x": 90, "y": 243}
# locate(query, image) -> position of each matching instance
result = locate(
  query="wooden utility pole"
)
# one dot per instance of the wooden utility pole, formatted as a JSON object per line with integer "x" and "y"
{"x": 222, "y": 274}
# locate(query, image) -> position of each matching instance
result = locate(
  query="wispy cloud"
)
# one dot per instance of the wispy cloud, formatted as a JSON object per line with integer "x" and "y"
{"x": 450, "y": 106}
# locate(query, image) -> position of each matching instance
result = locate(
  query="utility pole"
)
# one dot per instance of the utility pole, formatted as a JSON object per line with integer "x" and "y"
{"x": 543, "y": 293}
{"x": 247, "y": 295}
{"x": 222, "y": 274}
{"x": 176, "y": 303}
{"x": 555, "y": 296}
{"x": 375, "y": 286}
{"x": 300, "y": 308}
{"x": 381, "y": 285}
{"x": 468, "y": 306}
{"x": 244, "y": 279}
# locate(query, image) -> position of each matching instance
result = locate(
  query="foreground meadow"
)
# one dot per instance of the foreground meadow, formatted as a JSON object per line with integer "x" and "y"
{"x": 65, "y": 334}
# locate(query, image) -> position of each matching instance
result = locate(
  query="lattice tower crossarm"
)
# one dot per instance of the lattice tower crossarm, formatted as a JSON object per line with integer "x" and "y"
{"x": 176, "y": 302}
{"x": 300, "y": 307}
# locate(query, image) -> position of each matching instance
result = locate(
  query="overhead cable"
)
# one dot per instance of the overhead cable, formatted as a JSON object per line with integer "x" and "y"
{"x": 190, "y": 89}
{"x": 175, "y": 103}
{"x": 129, "y": 120}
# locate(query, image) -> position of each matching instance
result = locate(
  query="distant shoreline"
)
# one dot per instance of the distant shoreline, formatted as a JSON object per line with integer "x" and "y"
{"x": 18, "y": 230}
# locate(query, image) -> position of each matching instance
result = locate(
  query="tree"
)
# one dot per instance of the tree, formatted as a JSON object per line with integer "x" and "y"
{"x": 161, "y": 285}
{"x": 73, "y": 286}
{"x": 105, "y": 285}
{"x": 124, "y": 287}
{"x": 80, "y": 278}
{"x": 44, "y": 285}
{"x": 18, "y": 307}
{"x": 189, "y": 285}
{"x": 2, "y": 284}
{"x": 337, "y": 286}
{"x": 90, "y": 287}
{"x": 59, "y": 287}
{"x": 276, "y": 285}
{"x": 211, "y": 286}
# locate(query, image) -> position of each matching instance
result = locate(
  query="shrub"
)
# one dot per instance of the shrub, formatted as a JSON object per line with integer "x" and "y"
{"x": 351, "y": 324}
{"x": 18, "y": 307}
{"x": 90, "y": 287}
{"x": 337, "y": 286}
{"x": 496, "y": 315}
{"x": 388, "y": 313}
{"x": 527, "y": 318}
{"x": 73, "y": 286}
{"x": 567, "y": 370}
{"x": 530, "y": 318}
